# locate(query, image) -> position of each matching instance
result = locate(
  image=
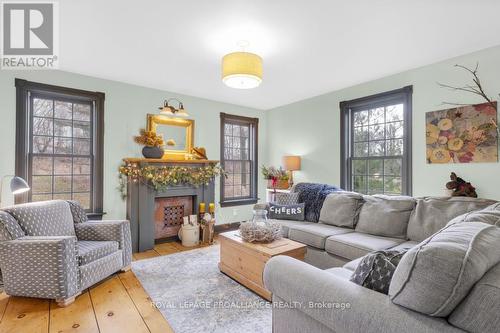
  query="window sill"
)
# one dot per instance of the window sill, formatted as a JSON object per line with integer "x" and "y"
{"x": 95, "y": 216}
{"x": 241, "y": 202}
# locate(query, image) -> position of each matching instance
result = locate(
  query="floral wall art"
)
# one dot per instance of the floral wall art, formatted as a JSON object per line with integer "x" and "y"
{"x": 465, "y": 134}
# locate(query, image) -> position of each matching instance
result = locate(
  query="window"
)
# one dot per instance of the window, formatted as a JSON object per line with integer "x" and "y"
{"x": 59, "y": 143}
{"x": 376, "y": 143}
{"x": 239, "y": 159}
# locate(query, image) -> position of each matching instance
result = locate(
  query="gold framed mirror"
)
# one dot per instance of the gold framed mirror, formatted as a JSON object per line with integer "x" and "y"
{"x": 178, "y": 134}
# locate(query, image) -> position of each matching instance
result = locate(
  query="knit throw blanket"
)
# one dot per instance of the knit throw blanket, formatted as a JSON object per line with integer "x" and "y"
{"x": 313, "y": 195}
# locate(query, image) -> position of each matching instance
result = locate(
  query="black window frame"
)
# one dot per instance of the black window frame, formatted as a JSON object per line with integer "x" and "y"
{"x": 24, "y": 92}
{"x": 347, "y": 108}
{"x": 253, "y": 123}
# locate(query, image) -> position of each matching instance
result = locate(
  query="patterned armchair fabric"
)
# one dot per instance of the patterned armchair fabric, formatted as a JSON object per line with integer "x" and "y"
{"x": 89, "y": 251}
{"x": 43, "y": 267}
{"x": 46, "y": 253}
{"x": 45, "y": 218}
{"x": 109, "y": 230}
{"x": 9, "y": 228}
{"x": 77, "y": 211}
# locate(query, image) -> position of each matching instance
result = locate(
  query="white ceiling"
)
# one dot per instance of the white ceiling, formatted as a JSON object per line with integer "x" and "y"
{"x": 309, "y": 47}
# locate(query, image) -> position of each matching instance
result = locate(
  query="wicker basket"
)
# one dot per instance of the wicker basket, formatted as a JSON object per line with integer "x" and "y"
{"x": 280, "y": 184}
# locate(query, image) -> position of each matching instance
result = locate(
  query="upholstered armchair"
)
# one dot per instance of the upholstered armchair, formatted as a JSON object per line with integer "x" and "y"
{"x": 49, "y": 250}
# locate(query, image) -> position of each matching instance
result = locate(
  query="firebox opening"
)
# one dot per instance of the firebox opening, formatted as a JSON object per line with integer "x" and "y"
{"x": 169, "y": 213}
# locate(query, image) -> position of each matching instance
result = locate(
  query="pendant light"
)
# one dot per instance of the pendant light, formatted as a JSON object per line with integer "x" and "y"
{"x": 242, "y": 70}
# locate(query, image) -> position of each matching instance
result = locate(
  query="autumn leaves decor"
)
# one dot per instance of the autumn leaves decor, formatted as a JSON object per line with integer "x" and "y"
{"x": 152, "y": 142}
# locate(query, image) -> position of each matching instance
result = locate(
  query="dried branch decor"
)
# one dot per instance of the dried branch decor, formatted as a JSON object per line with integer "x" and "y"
{"x": 476, "y": 88}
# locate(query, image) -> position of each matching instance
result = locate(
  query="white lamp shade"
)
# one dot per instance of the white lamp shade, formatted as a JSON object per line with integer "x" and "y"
{"x": 182, "y": 113}
{"x": 18, "y": 185}
{"x": 166, "y": 110}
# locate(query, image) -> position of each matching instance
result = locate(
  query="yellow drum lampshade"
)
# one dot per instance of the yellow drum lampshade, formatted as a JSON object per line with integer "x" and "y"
{"x": 242, "y": 70}
{"x": 291, "y": 163}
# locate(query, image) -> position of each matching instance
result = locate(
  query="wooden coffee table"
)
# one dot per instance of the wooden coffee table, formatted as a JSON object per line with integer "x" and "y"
{"x": 244, "y": 262}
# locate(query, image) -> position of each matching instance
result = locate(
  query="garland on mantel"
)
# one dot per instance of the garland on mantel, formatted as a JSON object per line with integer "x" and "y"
{"x": 161, "y": 177}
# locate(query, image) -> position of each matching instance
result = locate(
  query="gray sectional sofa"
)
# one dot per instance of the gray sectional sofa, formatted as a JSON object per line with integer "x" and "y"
{"x": 371, "y": 223}
{"x": 352, "y": 225}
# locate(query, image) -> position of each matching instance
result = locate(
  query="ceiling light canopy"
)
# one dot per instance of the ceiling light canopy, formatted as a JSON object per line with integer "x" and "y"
{"x": 242, "y": 70}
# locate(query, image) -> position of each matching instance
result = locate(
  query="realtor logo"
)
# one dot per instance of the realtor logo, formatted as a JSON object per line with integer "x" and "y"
{"x": 30, "y": 35}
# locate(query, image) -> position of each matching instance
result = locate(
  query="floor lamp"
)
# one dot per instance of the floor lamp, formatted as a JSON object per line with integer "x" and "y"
{"x": 17, "y": 186}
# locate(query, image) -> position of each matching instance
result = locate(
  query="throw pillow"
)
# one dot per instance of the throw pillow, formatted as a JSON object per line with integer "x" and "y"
{"x": 432, "y": 213}
{"x": 384, "y": 215}
{"x": 489, "y": 215}
{"x": 436, "y": 275}
{"x": 287, "y": 212}
{"x": 341, "y": 209}
{"x": 375, "y": 270}
{"x": 79, "y": 214}
{"x": 9, "y": 228}
{"x": 287, "y": 198}
{"x": 478, "y": 313}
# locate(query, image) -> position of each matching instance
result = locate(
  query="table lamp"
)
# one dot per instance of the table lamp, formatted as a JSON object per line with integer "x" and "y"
{"x": 291, "y": 164}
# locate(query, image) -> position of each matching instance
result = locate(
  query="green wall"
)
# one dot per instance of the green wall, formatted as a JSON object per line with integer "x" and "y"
{"x": 311, "y": 127}
{"x": 126, "y": 107}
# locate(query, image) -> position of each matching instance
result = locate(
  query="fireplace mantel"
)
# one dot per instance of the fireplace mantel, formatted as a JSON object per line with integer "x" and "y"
{"x": 140, "y": 160}
{"x": 141, "y": 200}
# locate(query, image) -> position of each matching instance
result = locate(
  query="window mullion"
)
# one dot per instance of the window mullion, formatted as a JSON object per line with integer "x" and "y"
{"x": 53, "y": 148}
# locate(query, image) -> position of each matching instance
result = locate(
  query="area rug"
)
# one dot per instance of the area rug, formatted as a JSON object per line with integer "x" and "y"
{"x": 194, "y": 296}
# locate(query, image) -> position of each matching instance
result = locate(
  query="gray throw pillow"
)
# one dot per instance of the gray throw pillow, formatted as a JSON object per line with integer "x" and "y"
{"x": 384, "y": 215}
{"x": 287, "y": 198}
{"x": 436, "y": 275}
{"x": 488, "y": 215}
{"x": 341, "y": 209}
{"x": 375, "y": 270}
{"x": 478, "y": 313}
{"x": 9, "y": 228}
{"x": 431, "y": 214}
{"x": 287, "y": 212}
{"x": 78, "y": 212}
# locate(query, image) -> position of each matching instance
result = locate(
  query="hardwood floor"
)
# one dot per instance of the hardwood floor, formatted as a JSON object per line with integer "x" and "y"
{"x": 117, "y": 304}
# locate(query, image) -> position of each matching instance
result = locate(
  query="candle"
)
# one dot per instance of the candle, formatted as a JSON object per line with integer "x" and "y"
{"x": 211, "y": 208}
{"x": 202, "y": 208}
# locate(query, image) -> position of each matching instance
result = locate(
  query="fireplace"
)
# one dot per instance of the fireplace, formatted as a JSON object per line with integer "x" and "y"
{"x": 157, "y": 215}
{"x": 169, "y": 213}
